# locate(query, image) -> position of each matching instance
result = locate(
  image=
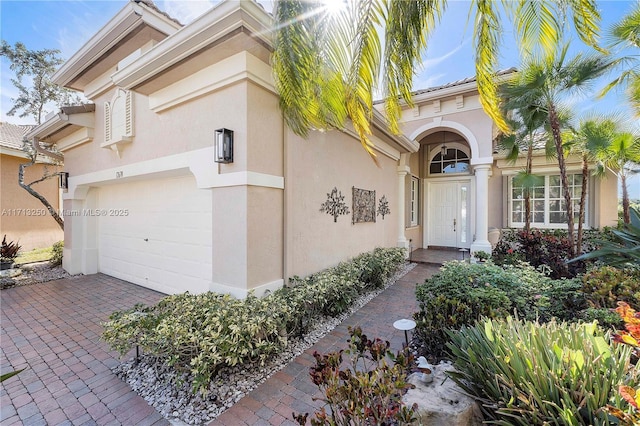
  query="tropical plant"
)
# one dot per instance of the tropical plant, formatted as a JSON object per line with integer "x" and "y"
{"x": 9, "y": 250}
{"x": 622, "y": 157}
{"x": 630, "y": 337}
{"x": 368, "y": 391}
{"x": 625, "y": 35}
{"x": 624, "y": 250}
{"x": 327, "y": 66}
{"x": 541, "y": 83}
{"x": 461, "y": 293}
{"x": 526, "y": 373}
{"x": 605, "y": 286}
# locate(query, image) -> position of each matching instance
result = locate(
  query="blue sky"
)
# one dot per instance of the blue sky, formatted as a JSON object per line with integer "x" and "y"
{"x": 67, "y": 25}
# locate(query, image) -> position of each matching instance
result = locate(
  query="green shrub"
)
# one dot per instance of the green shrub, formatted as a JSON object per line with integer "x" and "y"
{"x": 527, "y": 373}
{"x": 56, "y": 253}
{"x": 202, "y": 333}
{"x": 460, "y": 293}
{"x": 606, "y": 285}
{"x": 607, "y": 318}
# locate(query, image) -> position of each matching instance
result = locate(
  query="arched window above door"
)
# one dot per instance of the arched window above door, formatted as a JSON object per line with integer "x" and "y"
{"x": 449, "y": 160}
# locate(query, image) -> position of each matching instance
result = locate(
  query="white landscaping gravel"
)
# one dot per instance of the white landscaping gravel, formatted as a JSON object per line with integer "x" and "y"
{"x": 35, "y": 273}
{"x": 171, "y": 394}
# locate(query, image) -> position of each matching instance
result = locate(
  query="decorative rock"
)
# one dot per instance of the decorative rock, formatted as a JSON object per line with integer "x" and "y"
{"x": 442, "y": 402}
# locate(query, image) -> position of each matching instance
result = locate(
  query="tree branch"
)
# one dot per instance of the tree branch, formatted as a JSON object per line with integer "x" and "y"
{"x": 37, "y": 195}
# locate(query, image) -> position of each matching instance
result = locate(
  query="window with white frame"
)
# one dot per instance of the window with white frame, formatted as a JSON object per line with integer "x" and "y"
{"x": 413, "y": 201}
{"x": 547, "y": 202}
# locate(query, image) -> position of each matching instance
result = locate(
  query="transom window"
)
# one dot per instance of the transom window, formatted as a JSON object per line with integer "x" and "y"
{"x": 547, "y": 202}
{"x": 453, "y": 161}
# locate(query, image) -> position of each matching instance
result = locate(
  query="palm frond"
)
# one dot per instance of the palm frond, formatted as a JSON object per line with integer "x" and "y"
{"x": 408, "y": 25}
{"x": 487, "y": 39}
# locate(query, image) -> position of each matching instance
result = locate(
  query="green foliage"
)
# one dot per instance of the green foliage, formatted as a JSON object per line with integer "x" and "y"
{"x": 368, "y": 391}
{"x": 38, "y": 66}
{"x": 9, "y": 250}
{"x": 624, "y": 250}
{"x": 606, "y": 318}
{"x": 527, "y": 373}
{"x": 605, "y": 286}
{"x": 201, "y": 333}
{"x": 461, "y": 293}
{"x": 548, "y": 248}
{"x": 10, "y": 374}
{"x": 56, "y": 253}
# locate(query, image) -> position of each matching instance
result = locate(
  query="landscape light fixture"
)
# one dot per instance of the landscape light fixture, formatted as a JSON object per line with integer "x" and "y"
{"x": 223, "y": 150}
{"x": 63, "y": 182}
{"x": 405, "y": 325}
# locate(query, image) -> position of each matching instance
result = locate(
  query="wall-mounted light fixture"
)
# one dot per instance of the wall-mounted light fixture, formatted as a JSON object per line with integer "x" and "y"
{"x": 63, "y": 180}
{"x": 443, "y": 148}
{"x": 223, "y": 150}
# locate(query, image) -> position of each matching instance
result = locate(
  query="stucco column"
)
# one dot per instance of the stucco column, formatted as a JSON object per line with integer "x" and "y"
{"x": 80, "y": 253}
{"x": 481, "y": 242}
{"x": 403, "y": 170}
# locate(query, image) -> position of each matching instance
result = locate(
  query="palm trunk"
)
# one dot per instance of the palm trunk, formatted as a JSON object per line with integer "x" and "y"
{"x": 35, "y": 193}
{"x": 527, "y": 192}
{"x": 554, "y": 122}
{"x": 625, "y": 199}
{"x": 583, "y": 199}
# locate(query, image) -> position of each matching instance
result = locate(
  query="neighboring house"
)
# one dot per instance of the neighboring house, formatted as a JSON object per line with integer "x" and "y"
{"x": 147, "y": 203}
{"x": 23, "y": 218}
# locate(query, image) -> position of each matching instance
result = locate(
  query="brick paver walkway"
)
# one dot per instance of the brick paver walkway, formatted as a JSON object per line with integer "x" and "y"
{"x": 290, "y": 390}
{"x": 53, "y": 330}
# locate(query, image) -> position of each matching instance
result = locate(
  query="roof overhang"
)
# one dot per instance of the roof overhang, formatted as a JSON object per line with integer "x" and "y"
{"x": 229, "y": 27}
{"x": 401, "y": 142}
{"x": 68, "y": 120}
{"x": 126, "y": 32}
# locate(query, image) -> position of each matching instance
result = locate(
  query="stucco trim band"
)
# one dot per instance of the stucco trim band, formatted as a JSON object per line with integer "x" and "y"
{"x": 199, "y": 163}
{"x": 236, "y": 68}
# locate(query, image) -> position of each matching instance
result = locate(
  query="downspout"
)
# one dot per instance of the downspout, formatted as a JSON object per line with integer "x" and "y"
{"x": 40, "y": 150}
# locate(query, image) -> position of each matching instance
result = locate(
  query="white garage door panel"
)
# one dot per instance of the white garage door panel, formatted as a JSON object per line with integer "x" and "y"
{"x": 174, "y": 217}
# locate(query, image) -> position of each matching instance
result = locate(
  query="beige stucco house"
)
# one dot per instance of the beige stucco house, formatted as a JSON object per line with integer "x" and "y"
{"x": 146, "y": 202}
{"x": 23, "y": 218}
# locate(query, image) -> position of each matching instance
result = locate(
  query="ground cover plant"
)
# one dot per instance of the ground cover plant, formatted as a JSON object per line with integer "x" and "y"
{"x": 527, "y": 373}
{"x": 202, "y": 333}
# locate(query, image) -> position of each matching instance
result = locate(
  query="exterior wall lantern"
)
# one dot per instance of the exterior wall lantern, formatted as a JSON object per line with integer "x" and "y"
{"x": 63, "y": 181}
{"x": 223, "y": 149}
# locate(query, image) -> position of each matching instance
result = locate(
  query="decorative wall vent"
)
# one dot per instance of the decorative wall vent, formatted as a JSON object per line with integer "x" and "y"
{"x": 364, "y": 205}
{"x": 383, "y": 207}
{"x": 335, "y": 205}
{"x": 118, "y": 120}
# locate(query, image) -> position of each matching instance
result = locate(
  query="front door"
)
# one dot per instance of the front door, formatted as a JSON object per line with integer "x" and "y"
{"x": 448, "y": 209}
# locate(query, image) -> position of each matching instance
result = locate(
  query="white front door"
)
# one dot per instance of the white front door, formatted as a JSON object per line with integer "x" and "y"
{"x": 448, "y": 209}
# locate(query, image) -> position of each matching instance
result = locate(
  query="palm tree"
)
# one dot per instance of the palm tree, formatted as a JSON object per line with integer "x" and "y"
{"x": 626, "y": 35}
{"x": 327, "y": 65}
{"x": 541, "y": 84}
{"x": 588, "y": 139}
{"x": 617, "y": 150}
{"x": 526, "y": 122}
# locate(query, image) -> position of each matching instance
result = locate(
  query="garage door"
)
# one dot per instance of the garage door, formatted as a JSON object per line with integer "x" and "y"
{"x": 157, "y": 233}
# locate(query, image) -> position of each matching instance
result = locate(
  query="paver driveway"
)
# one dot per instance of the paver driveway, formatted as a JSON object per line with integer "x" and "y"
{"x": 53, "y": 330}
